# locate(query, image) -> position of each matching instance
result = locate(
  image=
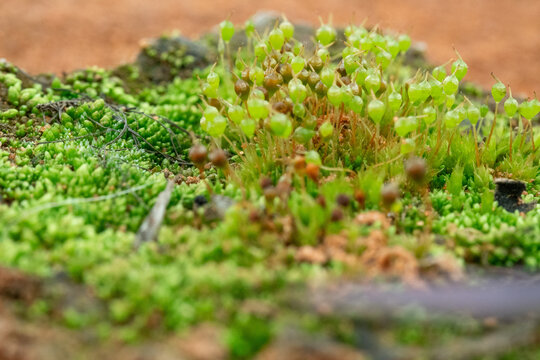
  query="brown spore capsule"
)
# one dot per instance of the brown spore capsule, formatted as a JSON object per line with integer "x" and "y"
{"x": 313, "y": 79}
{"x": 312, "y": 171}
{"x": 321, "y": 89}
{"x": 241, "y": 88}
{"x": 389, "y": 193}
{"x": 218, "y": 157}
{"x": 416, "y": 169}
{"x": 337, "y": 215}
{"x": 198, "y": 154}
{"x": 316, "y": 63}
{"x": 286, "y": 72}
{"x": 360, "y": 198}
{"x": 343, "y": 200}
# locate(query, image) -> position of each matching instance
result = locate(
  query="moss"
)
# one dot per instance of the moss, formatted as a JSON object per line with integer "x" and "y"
{"x": 83, "y": 160}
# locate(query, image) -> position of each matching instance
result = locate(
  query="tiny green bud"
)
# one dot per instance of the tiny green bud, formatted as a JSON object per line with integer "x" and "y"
{"x": 511, "y": 106}
{"x": 288, "y": 29}
{"x": 498, "y": 91}
{"x": 325, "y": 35}
{"x": 473, "y": 113}
{"x": 376, "y": 110}
{"x": 313, "y": 157}
{"x": 276, "y": 39}
{"x": 227, "y": 30}
{"x": 326, "y": 129}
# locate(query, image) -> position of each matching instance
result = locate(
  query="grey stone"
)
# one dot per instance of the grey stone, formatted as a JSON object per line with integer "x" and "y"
{"x": 185, "y": 56}
{"x": 508, "y": 195}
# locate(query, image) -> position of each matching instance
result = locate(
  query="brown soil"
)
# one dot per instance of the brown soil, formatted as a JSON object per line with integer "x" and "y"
{"x": 61, "y": 35}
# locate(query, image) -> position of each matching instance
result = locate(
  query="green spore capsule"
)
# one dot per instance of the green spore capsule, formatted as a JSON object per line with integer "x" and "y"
{"x": 439, "y": 73}
{"x": 276, "y": 39}
{"x": 394, "y": 100}
{"x": 303, "y": 135}
{"x": 299, "y": 110}
{"x": 376, "y": 110}
{"x": 210, "y": 113}
{"x": 461, "y": 112}
{"x": 418, "y": 93}
{"x": 511, "y": 106}
{"x": 298, "y": 64}
{"x": 436, "y": 89}
{"x": 213, "y": 79}
{"x": 260, "y": 50}
{"x": 430, "y": 115}
{"x": 356, "y": 104}
{"x": 327, "y": 77}
{"x": 484, "y": 110}
{"x": 258, "y": 93}
{"x": 405, "y": 125}
{"x": 366, "y": 44}
{"x": 383, "y": 58}
{"x": 360, "y": 76}
{"x": 236, "y": 113}
{"x": 372, "y": 82}
{"x": 346, "y": 95}
{"x": 393, "y": 47}
{"x": 325, "y": 35}
{"x": 498, "y": 91}
{"x": 473, "y": 114}
{"x": 297, "y": 91}
{"x": 450, "y": 100}
{"x": 249, "y": 28}
{"x": 288, "y": 29}
{"x": 216, "y": 127}
{"x": 323, "y": 54}
{"x": 450, "y": 85}
{"x": 528, "y": 109}
{"x": 280, "y": 125}
{"x": 227, "y": 30}
{"x": 256, "y": 75}
{"x": 335, "y": 96}
{"x": 258, "y": 108}
{"x": 313, "y": 157}
{"x": 459, "y": 68}
{"x": 326, "y": 129}
{"x": 247, "y": 126}
{"x": 407, "y": 146}
{"x": 351, "y": 63}
{"x": 404, "y": 42}
{"x": 451, "y": 119}
{"x": 209, "y": 91}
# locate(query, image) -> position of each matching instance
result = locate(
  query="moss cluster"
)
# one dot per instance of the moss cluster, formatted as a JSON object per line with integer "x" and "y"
{"x": 315, "y": 146}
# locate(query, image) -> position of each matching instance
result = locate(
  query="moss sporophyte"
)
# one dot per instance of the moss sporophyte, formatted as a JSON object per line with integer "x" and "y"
{"x": 290, "y": 164}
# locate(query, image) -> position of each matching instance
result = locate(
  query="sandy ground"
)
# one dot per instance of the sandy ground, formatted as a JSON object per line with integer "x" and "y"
{"x": 502, "y": 36}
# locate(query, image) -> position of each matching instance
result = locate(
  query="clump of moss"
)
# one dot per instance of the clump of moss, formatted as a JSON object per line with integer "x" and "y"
{"x": 314, "y": 166}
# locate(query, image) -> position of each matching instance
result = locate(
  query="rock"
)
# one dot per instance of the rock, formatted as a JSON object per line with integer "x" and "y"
{"x": 167, "y": 57}
{"x": 508, "y": 195}
{"x": 200, "y": 200}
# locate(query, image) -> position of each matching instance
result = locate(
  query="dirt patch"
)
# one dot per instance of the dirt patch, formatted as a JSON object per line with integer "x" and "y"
{"x": 60, "y": 35}
{"x": 15, "y": 285}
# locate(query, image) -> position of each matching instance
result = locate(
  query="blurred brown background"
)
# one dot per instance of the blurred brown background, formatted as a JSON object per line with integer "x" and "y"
{"x": 502, "y": 36}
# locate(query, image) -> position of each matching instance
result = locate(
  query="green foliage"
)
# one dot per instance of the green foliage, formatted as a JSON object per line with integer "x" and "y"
{"x": 312, "y": 144}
